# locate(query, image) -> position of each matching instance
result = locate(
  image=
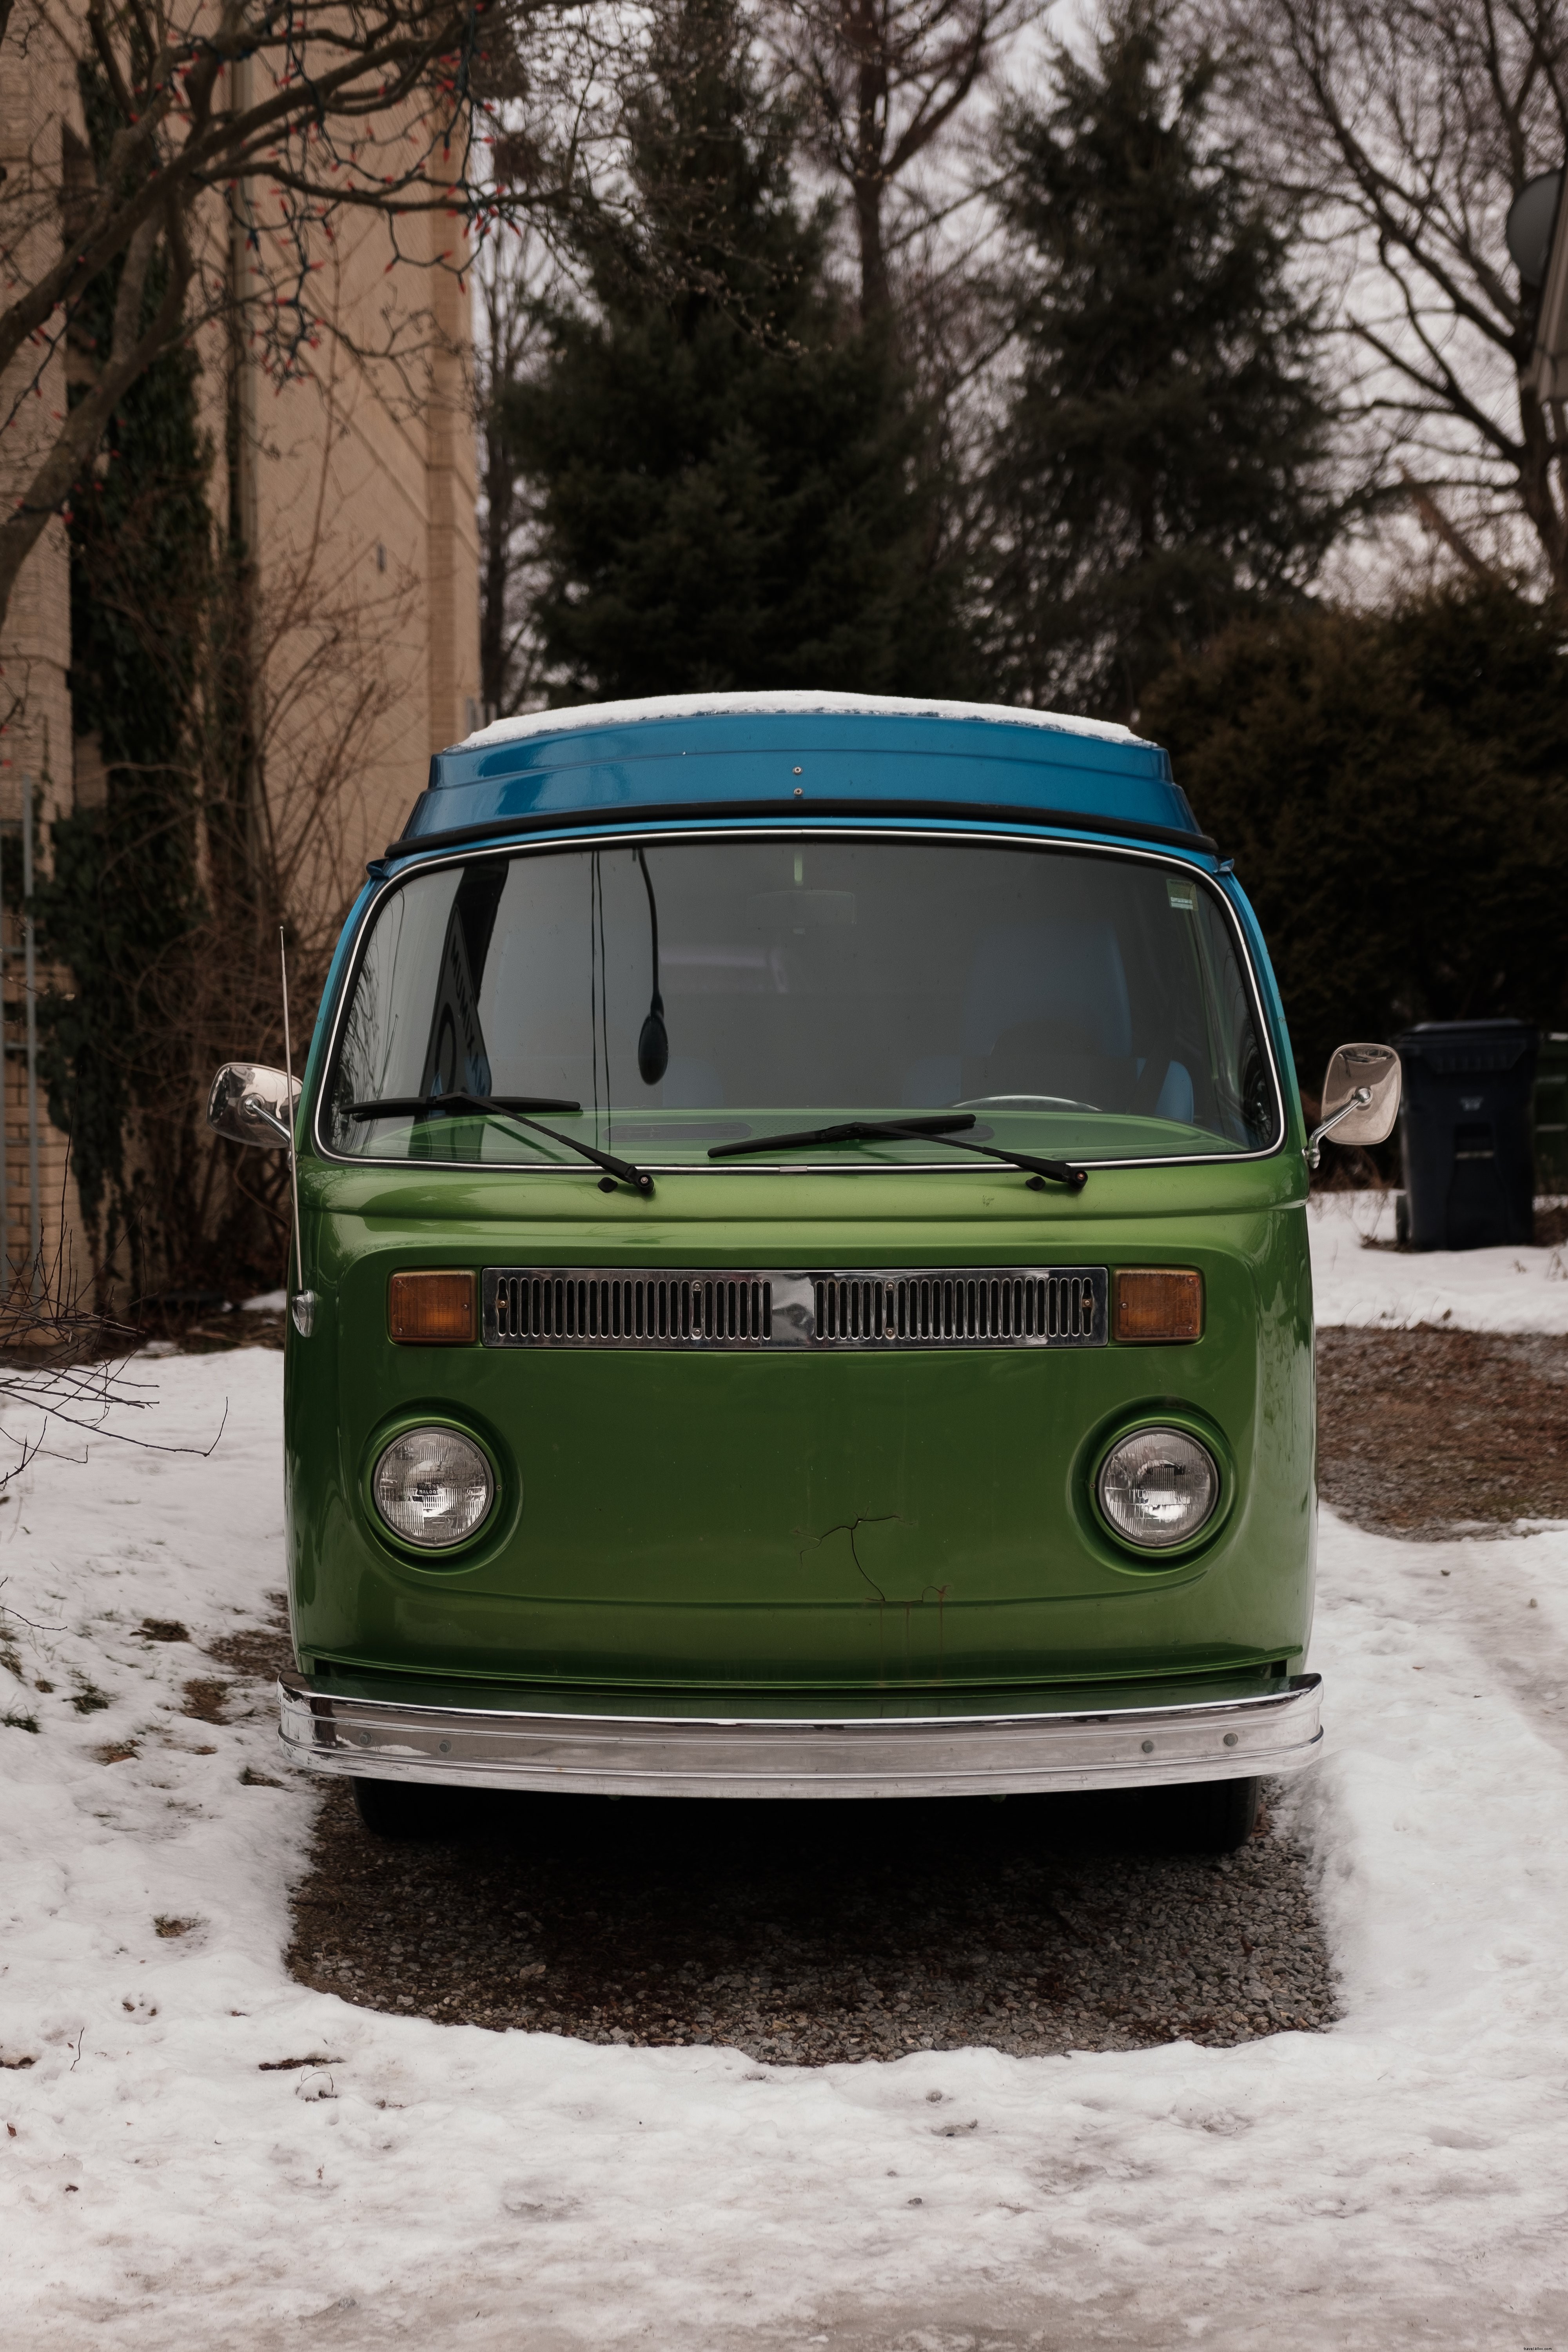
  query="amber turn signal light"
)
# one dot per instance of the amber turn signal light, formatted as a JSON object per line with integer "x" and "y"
{"x": 431, "y": 1311}
{"x": 1159, "y": 1302}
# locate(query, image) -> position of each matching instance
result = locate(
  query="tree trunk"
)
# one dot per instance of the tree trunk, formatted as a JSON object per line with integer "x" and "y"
{"x": 1538, "y": 493}
{"x": 501, "y": 496}
{"x": 876, "y": 297}
{"x": 868, "y": 181}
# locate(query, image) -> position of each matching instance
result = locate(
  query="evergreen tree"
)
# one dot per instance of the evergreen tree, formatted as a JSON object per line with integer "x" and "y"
{"x": 1159, "y": 465}
{"x": 731, "y": 477}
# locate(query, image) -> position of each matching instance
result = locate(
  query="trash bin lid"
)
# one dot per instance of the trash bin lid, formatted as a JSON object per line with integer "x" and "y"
{"x": 1453, "y": 1046}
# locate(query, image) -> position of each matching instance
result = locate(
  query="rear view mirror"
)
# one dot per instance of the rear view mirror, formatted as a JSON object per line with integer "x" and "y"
{"x": 1361, "y": 1097}
{"x": 251, "y": 1104}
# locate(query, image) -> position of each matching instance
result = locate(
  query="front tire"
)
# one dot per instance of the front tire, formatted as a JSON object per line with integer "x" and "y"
{"x": 1219, "y": 1816}
{"x": 397, "y": 1809}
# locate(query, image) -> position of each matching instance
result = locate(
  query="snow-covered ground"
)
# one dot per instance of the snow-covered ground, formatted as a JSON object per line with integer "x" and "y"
{"x": 1515, "y": 1289}
{"x": 1398, "y": 2181}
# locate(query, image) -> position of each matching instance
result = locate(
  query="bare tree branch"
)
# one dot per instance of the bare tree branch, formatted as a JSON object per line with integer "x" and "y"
{"x": 1403, "y": 129}
{"x": 882, "y": 81}
{"x": 288, "y": 118}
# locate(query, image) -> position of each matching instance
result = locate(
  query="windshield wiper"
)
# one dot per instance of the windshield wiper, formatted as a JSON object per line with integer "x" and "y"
{"x": 506, "y": 1107}
{"x": 416, "y": 1106}
{"x": 945, "y": 1130}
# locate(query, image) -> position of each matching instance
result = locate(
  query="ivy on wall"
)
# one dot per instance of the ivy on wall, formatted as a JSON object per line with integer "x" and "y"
{"x": 120, "y": 901}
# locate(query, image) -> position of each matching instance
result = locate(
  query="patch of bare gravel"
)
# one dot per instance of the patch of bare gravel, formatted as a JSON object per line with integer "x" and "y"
{"x": 1437, "y": 1432}
{"x": 816, "y": 1933}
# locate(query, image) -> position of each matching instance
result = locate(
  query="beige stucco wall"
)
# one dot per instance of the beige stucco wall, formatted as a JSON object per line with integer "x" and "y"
{"x": 356, "y": 483}
{"x": 362, "y": 485}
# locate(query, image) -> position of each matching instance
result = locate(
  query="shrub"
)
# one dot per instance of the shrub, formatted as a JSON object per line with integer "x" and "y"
{"x": 1393, "y": 791}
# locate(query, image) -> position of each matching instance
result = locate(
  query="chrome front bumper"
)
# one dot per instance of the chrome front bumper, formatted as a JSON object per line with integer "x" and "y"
{"x": 901, "y": 1755}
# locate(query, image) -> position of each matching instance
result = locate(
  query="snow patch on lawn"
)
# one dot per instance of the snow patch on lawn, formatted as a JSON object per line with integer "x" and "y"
{"x": 1514, "y": 1289}
{"x": 1398, "y": 2180}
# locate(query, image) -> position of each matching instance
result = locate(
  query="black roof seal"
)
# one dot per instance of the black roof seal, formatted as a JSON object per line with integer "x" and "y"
{"x": 801, "y": 812}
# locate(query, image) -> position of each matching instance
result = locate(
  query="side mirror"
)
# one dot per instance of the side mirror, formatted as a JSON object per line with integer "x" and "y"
{"x": 1361, "y": 1097}
{"x": 251, "y": 1104}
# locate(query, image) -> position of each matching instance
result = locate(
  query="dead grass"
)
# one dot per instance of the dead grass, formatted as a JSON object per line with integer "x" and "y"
{"x": 258, "y": 1652}
{"x": 204, "y": 1699}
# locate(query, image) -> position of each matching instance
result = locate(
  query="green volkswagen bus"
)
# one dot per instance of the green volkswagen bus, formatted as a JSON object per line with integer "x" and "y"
{"x": 802, "y": 1279}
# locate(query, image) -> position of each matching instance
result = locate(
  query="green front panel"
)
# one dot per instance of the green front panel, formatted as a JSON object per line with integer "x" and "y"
{"x": 803, "y": 1519}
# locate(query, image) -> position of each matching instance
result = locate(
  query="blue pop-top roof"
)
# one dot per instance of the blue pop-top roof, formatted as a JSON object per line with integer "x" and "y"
{"x": 820, "y": 755}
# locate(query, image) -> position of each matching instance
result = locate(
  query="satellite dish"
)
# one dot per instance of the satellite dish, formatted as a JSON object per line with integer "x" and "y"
{"x": 1532, "y": 218}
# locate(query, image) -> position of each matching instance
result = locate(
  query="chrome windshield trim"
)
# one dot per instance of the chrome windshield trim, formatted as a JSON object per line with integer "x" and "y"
{"x": 631, "y": 832}
{"x": 792, "y": 1756}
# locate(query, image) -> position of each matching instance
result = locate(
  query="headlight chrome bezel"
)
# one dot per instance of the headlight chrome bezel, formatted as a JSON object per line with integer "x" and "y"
{"x": 1175, "y": 1549}
{"x": 423, "y": 1549}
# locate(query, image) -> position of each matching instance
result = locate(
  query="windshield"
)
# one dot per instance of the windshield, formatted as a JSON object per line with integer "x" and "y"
{"x": 1088, "y": 1006}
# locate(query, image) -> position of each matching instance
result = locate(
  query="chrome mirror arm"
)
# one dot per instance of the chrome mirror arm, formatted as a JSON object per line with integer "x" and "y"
{"x": 257, "y": 1109}
{"x": 1312, "y": 1148}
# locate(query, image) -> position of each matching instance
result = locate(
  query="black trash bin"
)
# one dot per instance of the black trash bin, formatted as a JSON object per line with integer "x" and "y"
{"x": 1551, "y": 1114}
{"x": 1465, "y": 1133}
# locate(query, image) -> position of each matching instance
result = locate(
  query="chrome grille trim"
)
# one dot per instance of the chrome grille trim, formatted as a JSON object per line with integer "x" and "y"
{"x": 605, "y": 1307}
{"x": 707, "y": 1308}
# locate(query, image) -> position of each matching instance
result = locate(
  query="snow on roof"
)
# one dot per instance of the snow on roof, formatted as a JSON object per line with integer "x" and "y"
{"x": 796, "y": 704}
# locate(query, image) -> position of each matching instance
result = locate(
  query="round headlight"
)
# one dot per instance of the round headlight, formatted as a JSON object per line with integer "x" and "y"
{"x": 1158, "y": 1487}
{"x": 432, "y": 1486}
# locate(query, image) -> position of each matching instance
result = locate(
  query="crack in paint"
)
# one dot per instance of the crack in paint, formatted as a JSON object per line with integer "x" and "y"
{"x": 847, "y": 1527}
{"x": 928, "y": 1593}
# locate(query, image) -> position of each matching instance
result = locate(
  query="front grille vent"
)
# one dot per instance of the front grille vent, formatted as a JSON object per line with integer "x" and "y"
{"x": 546, "y": 1308}
{"x": 958, "y": 1307}
{"x": 966, "y": 1307}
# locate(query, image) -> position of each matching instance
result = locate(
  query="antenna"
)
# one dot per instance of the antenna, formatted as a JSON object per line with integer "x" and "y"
{"x": 289, "y": 1073}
